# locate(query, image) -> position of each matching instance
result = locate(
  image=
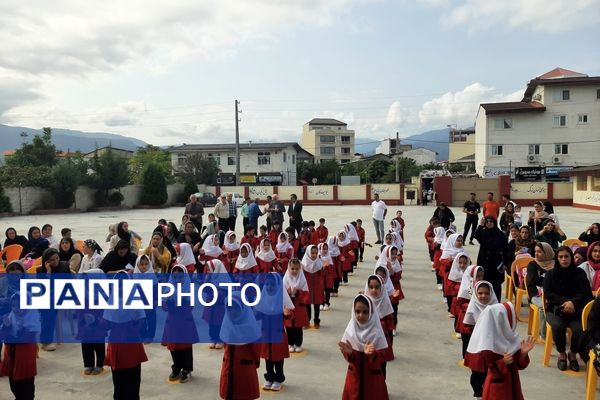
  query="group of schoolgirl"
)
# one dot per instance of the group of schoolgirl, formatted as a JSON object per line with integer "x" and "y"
{"x": 491, "y": 348}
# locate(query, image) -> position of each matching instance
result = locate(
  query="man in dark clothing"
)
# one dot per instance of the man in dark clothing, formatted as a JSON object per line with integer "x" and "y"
{"x": 295, "y": 213}
{"x": 277, "y": 210}
{"x": 232, "y": 211}
{"x": 444, "y": 215}
{"x": 195, "y": 211}
{"x": 253, "y": 213}
{"x": 492, "y": 252}
{"x": 472, "y": 209}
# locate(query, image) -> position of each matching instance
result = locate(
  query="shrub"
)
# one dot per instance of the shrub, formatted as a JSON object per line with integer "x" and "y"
{"x": 155, "y": 186}
{"x": 5, "y": 205}
{"x": 115, "y": 199}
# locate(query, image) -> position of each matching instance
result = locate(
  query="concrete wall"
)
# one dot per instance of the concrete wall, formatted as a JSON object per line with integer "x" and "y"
{"x": 386, "y": 191}
{"x": 462, "y": 188}
{"x": 586, "y": 198}
{"x": 563, "y": 190}
{"x": 260, "y": 191}
{"x": 233, "y": 189}
{"x": 353, "y": 192}
{"x": 320, "y": 193}
{"x": 286, "y": 191}
{"x": 525, "y": 190}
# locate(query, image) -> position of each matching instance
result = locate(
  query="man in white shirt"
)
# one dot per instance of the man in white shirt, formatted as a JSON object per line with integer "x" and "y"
{"x": 379, "y": 213}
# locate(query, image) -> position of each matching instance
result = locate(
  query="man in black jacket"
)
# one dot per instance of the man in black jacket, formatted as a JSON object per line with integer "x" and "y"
{"x": 472, "y": 209}
{"x": 295, "y": 213}
{"x": 445, "y": 215}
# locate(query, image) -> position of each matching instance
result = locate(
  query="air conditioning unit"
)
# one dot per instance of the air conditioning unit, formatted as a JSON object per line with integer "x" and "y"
{"x": 532, "y": 158}
{"x": 557, "y": 160}
{"x": 537, "y": 97}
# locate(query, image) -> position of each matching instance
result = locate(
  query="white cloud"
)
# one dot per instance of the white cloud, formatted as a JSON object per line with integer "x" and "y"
{"x": 552, "y": 16}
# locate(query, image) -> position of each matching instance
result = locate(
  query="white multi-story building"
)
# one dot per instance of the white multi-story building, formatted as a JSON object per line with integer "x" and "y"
{"x": 260, "y": 163}
{"x": 328, "y": 139}
{"x": 556, "y": 124}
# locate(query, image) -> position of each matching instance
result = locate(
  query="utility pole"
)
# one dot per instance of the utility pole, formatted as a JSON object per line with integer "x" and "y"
{"x": 396, "y": 152}
{"x": 237, "y": 143}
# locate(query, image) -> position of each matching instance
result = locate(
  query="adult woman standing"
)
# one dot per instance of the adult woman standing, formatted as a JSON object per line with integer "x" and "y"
{"x": 536, "y": 270}
{"x": 491, "y": 252}
{"x": 537, "y": 217}
{"x": 567, "y": 291}
{"x": 507, "y": 218}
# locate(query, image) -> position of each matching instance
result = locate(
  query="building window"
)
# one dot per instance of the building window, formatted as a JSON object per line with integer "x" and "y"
{"x": 181, "y": 158}
{"x": 582, "y": 119}
{"x": 327, "y": 139}
{"x": 497, "y": 150}
{"x": 216, "y": 157}
{"x": 293, "y": 159}
{"x": 345, "y": 139}
{"x": 562, "y": 95}
{"x": 560, "y": 120}
{"x": 561, "y": 148}
{"x": 230, "y": 160}
{"x": 264, "y": 158}
{"x": 284, "y": 157}
{"x": 534, "y": 149}
{"x": 327, "y": 151}
{"x": 582, "y": 183}
{"x": 346, "y": 150}
{"x": 504, "y": 123}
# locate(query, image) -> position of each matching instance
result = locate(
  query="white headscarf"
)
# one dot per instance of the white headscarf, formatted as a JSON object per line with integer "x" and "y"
{"x": 185, "y": 283}
{"x": 308, "y": 264}
{"x": 228, "y": 245}
{"x": 358, "y": 335}
{"x": 29, "y": 321}
{"x": 149, "y": 272}
{"x": 283, "y": 247}
{"x": 332, "y": 243}
{"x": 268, "y": 303}
{"x": 210, "y": 248}
{"x": 186, "y": 254}
{"x": 345, "y": 242}
{"x": 385, "y": 256}
{"x": 456, "y": 274}
{"x": 120, "y": 315}
{"x": 216, "y": 267}
{"x": 468, "y": 281}
{"x": 244, "y": 329}
{"x": 248, "y": 262}
{"x": 325, "y": 255}
{"x": 382, "y": 302}
{"x": 440, "y": 235}
{"x": 450, "y": 249}
{"x": 351, "y": 232}
{"x": 396, "y": 227}
{"x": 266, "y": 256}
{"x": 475, "y": 307}
{"x": 388, "y": 285}
{"x": 495, "y": 331}
{"x": 447, "y": 234}
{"x": 295, "y": 282}
{"x": 397, "y": 240}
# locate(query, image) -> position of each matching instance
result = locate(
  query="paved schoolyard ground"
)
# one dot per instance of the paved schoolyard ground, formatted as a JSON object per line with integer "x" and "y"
{"x": 427, "y": 355}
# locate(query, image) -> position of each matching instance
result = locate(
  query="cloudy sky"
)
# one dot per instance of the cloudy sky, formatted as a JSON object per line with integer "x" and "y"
{"x": 168, "y": 72}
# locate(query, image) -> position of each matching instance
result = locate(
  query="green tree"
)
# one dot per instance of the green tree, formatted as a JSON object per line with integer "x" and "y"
{"x": 147, "y": 155}
{"x": 201, "y": 169}
{"x": 155, "y": 185}
{"x": 189, "y": 186}
{"x": 407, "y": 168}
{"x": 40, "y": 152}
{"x": 5, "y": 205}
{"x": 110, "y": 171}
{"x": 326, "y": 172}
{"x": 65, "y": 178}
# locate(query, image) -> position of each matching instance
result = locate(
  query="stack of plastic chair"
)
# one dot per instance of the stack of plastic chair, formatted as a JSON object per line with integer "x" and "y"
{"x": 11, "y": 253}
{"x": 79, "y": 245}
{"x": 36, "y": 263}
{"x": 574, "y": 242}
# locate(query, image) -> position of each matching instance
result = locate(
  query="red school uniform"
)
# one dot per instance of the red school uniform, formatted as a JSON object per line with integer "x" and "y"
{"x": 231, "y": 257}
{"x": 239, "y": 379}
{"x": 396, "y": 277}
{"x": 253, "y": 241}
{"x": 179, "y": 319}
{"x": 316, "y": 286}
{"x": 299, "y": 318}
{"x": 274, "y": 236}
{"x": 314, "y": 239}
{"x": 346, "y": 257}
{"x": 124, "y": 355}
{"x": 295, "y": 242}
{"x": 19, "y": 361}
{"x": 267, "y": 266}
{"x": 305, "y": 238}
{"x": 460, "y": 308}
{"x": 360, "y": 231}
{"x": 274, "y": 351}
{"x": 364, "y": 378}
{"x": 402, "y": 224}
{"x": 204, "y": 259}
{"x": 502, "y": 381}
{"x": 283, "y": 258}
{"x": 322, "y": 232}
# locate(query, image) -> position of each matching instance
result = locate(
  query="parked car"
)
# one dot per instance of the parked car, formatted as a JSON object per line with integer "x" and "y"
{"x": 206, "y": 198}
{"x": 238, "y": 199}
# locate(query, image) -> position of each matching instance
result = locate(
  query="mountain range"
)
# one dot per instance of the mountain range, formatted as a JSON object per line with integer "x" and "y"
{"x": 64, "y": 139}
{"x": 435, "y": 140}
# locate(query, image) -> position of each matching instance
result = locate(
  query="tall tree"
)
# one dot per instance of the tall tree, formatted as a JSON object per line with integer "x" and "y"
{"x": 201, "y": 169}
{"x": 150, "y": 155}
{"x": 5, "y": 205}
{"x": 110, "y": 171}
{"x": 66, "y": 177}
{"x": 155, "y": 185}
{"x": 40, "y": 152}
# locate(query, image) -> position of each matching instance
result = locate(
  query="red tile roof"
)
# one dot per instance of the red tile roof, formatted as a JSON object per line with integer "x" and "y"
{"x": 561, "y": 73}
